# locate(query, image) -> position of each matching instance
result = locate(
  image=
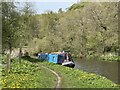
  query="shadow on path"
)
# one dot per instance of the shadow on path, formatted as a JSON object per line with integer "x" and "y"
{"x": 31, "y": 59}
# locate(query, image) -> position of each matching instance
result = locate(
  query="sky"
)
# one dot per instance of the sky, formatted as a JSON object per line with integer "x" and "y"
{"x": 41, "y": 7}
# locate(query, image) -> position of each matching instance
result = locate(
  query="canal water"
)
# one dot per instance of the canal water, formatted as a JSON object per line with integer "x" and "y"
{"x": 104, "y": 68}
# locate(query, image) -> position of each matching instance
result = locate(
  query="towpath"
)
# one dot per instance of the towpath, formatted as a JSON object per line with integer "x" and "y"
{"x": 58, "y": 85}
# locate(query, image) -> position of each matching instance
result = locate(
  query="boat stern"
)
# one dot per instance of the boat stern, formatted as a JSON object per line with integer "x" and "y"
{"x": 69, "y": 64}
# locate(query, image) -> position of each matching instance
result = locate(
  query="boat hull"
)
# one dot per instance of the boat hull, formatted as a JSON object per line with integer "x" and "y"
{"x": 69, "y": 64}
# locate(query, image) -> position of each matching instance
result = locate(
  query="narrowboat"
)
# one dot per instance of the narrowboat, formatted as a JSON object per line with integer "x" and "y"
{"x": 62, "y": 58}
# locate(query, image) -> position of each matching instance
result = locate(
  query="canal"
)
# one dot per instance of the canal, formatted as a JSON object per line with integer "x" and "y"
{"x": 104, "y": 68}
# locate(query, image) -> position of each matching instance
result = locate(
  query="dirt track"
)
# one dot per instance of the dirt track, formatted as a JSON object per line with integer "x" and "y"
{"x": 58, "y": 85}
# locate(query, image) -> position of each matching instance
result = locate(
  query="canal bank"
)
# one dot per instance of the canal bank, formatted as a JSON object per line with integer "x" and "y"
{"x": 30, "y": 71}
{"x": 105, "y": 68}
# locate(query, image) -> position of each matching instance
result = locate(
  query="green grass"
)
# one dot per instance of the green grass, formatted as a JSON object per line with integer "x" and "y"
{"x": 30, "y": 74}
{"x": 1, "y": 58}
{"x": 74, "y": 78}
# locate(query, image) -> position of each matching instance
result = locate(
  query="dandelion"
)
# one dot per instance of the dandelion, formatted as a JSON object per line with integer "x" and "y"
{"x": 84, "y": 76}
{"x": 103, "y": 77}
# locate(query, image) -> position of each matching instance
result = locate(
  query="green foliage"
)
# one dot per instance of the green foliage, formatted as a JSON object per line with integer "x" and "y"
{"x": 27, "y": 75}
{"x": 87, "y": 29}
{"x": 9, "y": 25}
{"x": 78, "y": 6}
{"x": 18, "y": 26}
{"x": 32, "y": 75}
{"x": 111, "y": 58}
{"x": 27, "y": 25}
{"x": 74, "y": 78}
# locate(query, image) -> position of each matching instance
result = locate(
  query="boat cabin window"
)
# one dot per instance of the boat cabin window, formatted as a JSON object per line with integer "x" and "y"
{"x": 60, "y": 58}
{"x": 53, "y": 59}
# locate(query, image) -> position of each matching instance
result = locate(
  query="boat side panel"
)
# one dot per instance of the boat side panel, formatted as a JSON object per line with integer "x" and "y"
{"x": 53, "y": 58}
{"x": 43, "y": 56}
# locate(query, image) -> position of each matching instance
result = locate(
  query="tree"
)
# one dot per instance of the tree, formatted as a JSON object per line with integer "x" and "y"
{"x": 9, "y": 28}
{"x": 60, "y": 10}
{"x": 86, "y": 29}
{"x": 26, "y": 26}
{"x": 9, "y": 25}
{"x": 0, "y": 28}
{"x": 17, "y": 28}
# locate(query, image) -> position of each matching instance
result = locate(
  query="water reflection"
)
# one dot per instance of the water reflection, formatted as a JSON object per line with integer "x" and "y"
{"x": 107, "y": 69}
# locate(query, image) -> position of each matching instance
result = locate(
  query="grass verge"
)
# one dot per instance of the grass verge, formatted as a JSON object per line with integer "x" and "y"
{"x": 27, "y": 75}
{"x": 30, "y": 74}
{"x": 74, "y": 78}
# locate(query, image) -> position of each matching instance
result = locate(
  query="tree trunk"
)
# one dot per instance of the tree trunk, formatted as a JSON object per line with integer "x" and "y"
{"x": 20, "y": 54}
{"x": 8, "y": 58}
{"x": 8, "y": 63}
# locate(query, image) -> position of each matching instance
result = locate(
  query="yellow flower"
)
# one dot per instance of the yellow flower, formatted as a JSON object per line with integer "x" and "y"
{"x": 84, "y": 76}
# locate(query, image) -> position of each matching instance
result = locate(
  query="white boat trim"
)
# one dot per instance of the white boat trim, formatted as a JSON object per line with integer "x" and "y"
{"x": 68, "y": 62}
